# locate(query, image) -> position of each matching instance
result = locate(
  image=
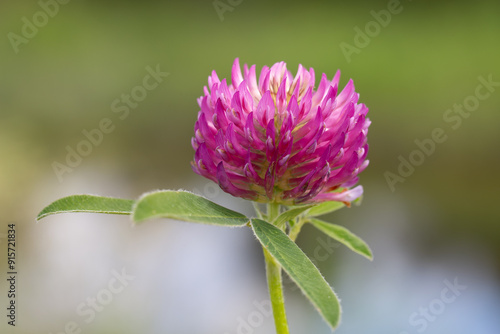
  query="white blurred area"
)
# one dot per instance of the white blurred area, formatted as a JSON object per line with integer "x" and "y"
{"x": 381, "y": 297}
{"x": 191, "y": 278}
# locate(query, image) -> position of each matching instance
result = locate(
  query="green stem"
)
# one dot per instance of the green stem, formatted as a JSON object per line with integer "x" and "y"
{"x": 257, "y": 210}
{"x": 273, "y": 270}
{"x": 295, "y": 230}
{"x": 274, "y": 282}
{"x": 273, "y": 211}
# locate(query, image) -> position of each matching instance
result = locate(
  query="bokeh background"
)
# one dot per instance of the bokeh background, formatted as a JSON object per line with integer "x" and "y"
{"x": 438, "y": 227}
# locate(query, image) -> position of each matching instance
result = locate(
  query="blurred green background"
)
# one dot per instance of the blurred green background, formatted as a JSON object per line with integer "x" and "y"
{"x": 441, "y": 223}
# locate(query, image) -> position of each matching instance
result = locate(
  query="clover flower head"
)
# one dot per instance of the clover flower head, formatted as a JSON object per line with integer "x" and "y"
{"x": 276, "y": 139}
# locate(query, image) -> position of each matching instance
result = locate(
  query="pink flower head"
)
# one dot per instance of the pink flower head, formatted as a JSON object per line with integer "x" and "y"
{"x": 276, "y": 139}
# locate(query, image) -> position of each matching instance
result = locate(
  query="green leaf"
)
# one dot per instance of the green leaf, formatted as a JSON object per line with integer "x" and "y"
{"x": 344, "y": 236}
{"x": 324, "y": 208}
{"x": 186, "y": 206}
{"x": 88, "y": 203}
{"x": 290, "y": 214}
{"x": 300, "y": 269}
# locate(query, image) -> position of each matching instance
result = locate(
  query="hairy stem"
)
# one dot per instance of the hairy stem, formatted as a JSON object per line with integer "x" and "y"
{"x": 295, "y": 230}
{"x": 274, "y": 281}
{"x": 273, "y": 271}
{"x": 273, "y": 211}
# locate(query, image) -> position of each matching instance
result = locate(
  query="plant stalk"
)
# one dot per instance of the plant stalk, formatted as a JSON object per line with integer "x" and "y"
{"x": 273, "y": 211}
{"x": 295, "y": 230}
{"x": 274, "y": 281}
{"x": 273, "y": 271}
